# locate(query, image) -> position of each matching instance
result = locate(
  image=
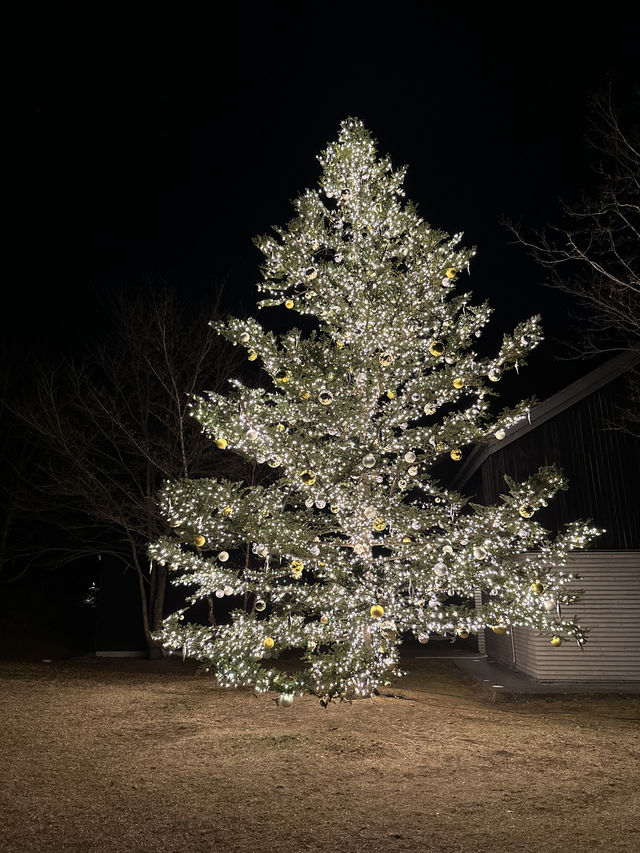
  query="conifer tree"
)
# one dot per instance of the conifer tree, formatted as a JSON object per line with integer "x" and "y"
{"x": 355, "y": 544}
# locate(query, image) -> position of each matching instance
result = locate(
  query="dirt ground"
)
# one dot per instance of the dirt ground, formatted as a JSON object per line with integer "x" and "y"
{"x": 151, "y": 756}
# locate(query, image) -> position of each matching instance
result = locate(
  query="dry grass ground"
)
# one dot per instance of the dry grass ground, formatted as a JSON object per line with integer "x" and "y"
{"x": 140, "y": 756}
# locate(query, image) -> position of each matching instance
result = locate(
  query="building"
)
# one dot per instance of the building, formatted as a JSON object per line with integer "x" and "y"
{"x": 580, "y": 430}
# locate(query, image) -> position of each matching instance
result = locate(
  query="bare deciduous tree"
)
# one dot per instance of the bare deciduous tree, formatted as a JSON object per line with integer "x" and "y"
{"x": 594, "y": 255}
{"x": 108, "y": 431}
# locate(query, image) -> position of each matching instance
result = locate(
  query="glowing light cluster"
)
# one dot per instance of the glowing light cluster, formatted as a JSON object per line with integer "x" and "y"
{"x": 356, "y": 545}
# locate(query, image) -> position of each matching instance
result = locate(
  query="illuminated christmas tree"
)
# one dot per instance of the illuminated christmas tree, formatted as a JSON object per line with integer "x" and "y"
{"x": 354, "y": 544}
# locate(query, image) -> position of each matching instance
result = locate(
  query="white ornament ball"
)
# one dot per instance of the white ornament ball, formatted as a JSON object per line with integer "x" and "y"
{"x": 308, "y": 503}
{"x": 434, "y": 603}
{"x": 219, "y": 593}
{"x": 423, "y": 638}
{"x": 409, "y": 456}
{"x": 285, "y": 700}
{"x": 369, "y": 460}
{"x": 413, "y": 470}
{"x": 244, "y": 338}
{"x": 223, "y": 556}
{"x": 549, "y": 605}
{"x": 415, "y": 524}
{"x": 523, "y": 533}
{"x": 321, "y": 503}
{"x": 479, "y": 553}
{"x": 440, "y": 569}
{"x": 447, "y": 549}
{"x": 228, "y": 590}
{"x": 252, "y": 435}
{"x": 429, "y": 408}
{"x": 495, "y": 374}
{"x": 500, "y": 434}
{"x": 370, "y": 512}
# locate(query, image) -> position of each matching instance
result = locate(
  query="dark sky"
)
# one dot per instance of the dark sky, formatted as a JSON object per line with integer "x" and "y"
{"x": 156, "y": 142}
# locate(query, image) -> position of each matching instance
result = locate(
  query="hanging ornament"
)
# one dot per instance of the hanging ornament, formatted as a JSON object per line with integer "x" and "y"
{"x": 226, "y": 511}
{"x": 244, "y": 338}
{"x": 479, "y": 553}
{"x": 370, "y": 512}
{"x": 379, "y": 524}
{"x": 199, "y": 540}
{"x": 415, "y": 524}
{"x": 308, "y": 503}
{"x": 447, "y": 549}
{"x": 223, "y": 556}
{"x": 500, "y": 434}
{"x": 321, "y": 503}
{"x": 456, "y": 454}
{"x": 252, "y": 355}
{"x": 463, "y": 633}
{"x": 377, "y": 611}
{"x": 458, "y": 382}
{"x": 274, "y": 462}
{"x": 228, "y": 590}
{"x": 360, "y": 549}
{"x": 495, "y": 374}
{"x": 339, "y": 344}
{"x": 436, "y": 348}
{"x": 308, "y": 478}
{"x": 423, "y": 638}
{"x": 429, "y": 408}
{"x": 549, "y": 605}
{"x": 219, "y": 593}
{"x": 450, "y": 273}
{"x": 413, "y": 470}
{"x": 537, "y": 588}
{"x": 525, "y": 340}
{"x": 526, "y": 510}
{"x": 440, "y": 569}
{"x": 391, "y": 395}
{"x": 268, "y": 643}
{"x": 280, "y": 427}
{"x": 288, "y": 303}
{"x": 415, "y": 397}
{"x": 409, "y": 456}
{"x": 221, "y": 443}
{"x": 283, "y": 376}
{"x": 386, "y": 359}
{"x": 285, "y": 700}
{"x": 348, "y": 378}
{"x": 388, "y": 630}
{"x": 325, "y": 397}
{"x": 337, "y": 258}
{"x": 311, "y": 273}
{"x": 324, "y": 619}
{"x": 433, "y": 603}
{"x": 260, "y": 605}
{"x": 556, "y": 641}
{"x": 499, "y": 629}
{"x": 304, "y": 395}
{"x": 369, "y": 460}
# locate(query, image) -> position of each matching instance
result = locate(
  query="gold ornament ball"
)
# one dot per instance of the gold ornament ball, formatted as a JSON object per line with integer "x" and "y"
{"x": 268, "y": 643}
{"x": 288, "y": 303}
{"x": 386, "y": 359}
{"x": 311, "y": 273}
{"x": 450, "y": 273}
{"x": 283, "y": 376}
{"x": 499, "y": 629}
{"x": 226, "y": 511}
{"x": 391, "y": 395}
{"x": 308, "y": 478}
{"x": 199, "y": 540}
{"x": 252, "y": 355}
{"x": 221, "y": 443}
{"x": 463, "y": 633}
{"x": 436, "y": 348}
{"x": 339, "y": 344}
{"x": 296, "y": 566}
{"x": 325, "y": 397}
{"x": 526, "y": 510}
{"x": 537, "y": 588}
{"x": 260, "y": 605}
{"x": 379, "y": 524}
{"x": 377, "y": 611}
{"x": 280, "y": 427}
{"x": 274, "y": 462}
{"x": 458, "y": 382}
{"x": 304, "y": 395}
{"x": 555, "y": 641}
{"x": 456, "y": 454}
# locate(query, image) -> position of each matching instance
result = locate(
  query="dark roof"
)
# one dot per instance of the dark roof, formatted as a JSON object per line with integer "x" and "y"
{"x": 548, "y": 409}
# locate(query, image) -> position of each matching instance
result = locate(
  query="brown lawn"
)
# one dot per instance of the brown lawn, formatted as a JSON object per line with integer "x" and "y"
{"x": 141, "y": 756}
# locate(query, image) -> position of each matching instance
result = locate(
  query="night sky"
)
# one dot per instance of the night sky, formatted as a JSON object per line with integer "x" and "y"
{"x": 154, "y": 144}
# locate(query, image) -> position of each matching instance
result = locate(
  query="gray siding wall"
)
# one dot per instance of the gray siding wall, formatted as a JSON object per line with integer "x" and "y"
{"x": 610, "y": 607}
